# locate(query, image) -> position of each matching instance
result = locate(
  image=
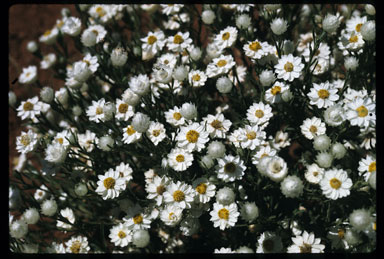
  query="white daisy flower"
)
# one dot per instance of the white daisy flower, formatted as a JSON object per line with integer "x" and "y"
{"x": 351, "y": 41}
{"x": 26, "y": 142}
{"x": 88, "y": 140}
{"x": 56, "y": 153}
{"x": 169, "y": 9}
{"x": 167, "y": 59}
{"x": 256, "y": 49}
{"x": 110, "y": 185}
{"x": 312, "y": 127}
{"x": 63, "y": 138}
{"x": 71, "y": 26}
{"x": 361, "y": 112}
{"x": 174, "y": 117}
{"x": 220, "y": 65}
{"x": 69, "y": 215}
{"x": 95, "y": 112}
{"x": 306, "y": 243}
{"x": 77, "y": 245}
{"x": 98, "y": 30}
{"x": 320, "y": 66}
{"x": 355, "y": 23}
{"x": 101, "y": 12}
{"x": 237, "y": 136}
{"x": 261, "y": 152}
{"x": 137, "y": 219}
{"x": 192, "y": 137}
{"x": 224, "y": 216}
{"x": 156, "y": 132}
{"x": 323, "y": 95}
{"x": 130, "y": 135}
{"x": 30, "y": 108}
{"x": 273, "y": 94}
{"x": 171, "y": 214}
{"x": 253, "y": 137}
{"x": 216, "y": 125}
{"x": 153, "y": 42}
{"x": 120, "y": 235}
{"x": 336, "y": 184}
{"x": 289, "y": 67}
{"x": 323, "y": 52}
{"x": 241, "y": 72}
{"x": 173, "y": 22}
{"x": 140, "y": 84}
{"x": 269, "y": 242}
{"x": 156, "y": 188}
{"x": 367, "y": 165}
{"x": 197, "y": 78}
{"x": 304, "y": 41}
{"x": 314, "y": 174}
{"x": 276, "y": 169}
{"x": 48, "y": 61}
{"x": 125, "y": 171}
{"x": 179, "y": 42}
{"x": 124, "y": 111}
{"x": 281, "y": 140}
{"x": 226, "y": 38}
{"x": 230, "y": 168}
{"x": 49, "y": 36}
{"x": 179, "y": 194}
{"x": 204, "y": 190}
{"x": 337, "y": 237}
{"x": 350, "y": 95}
{"x": 259, "y": 113}
{"x": 180, "y": 159}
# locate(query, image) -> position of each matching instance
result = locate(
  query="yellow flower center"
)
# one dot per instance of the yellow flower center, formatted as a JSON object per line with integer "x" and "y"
{"x": 196, "y": 77}
{"x": 192, "y": 136}
{"x": 335, "y": 183}
{"x": 138, "y": 219}
{"x": 259, "y": 114}
{"x": 221, "y": 63}
{"x": 177, "y": 116}
{"x": 323, "y": 94}
{"x": 372, "y": 167}
{"x": 123, "y": 108}
{"x": 28, "y": 106}
{"x": 60, "y": 24}
{"x": 230, "y": 168}
{"x": 216, "y": 124}
{"x": 201, "y": 188}
{"x": 276, "y": 168}
{"x": 130, "y": 131}
{"x": 25, "y": 140}
{"x": 75, "y": 247}
{"x": 99, "y": 110}
{"x": 178, "y": 196}
{"x": 95, "y": 32}
{"x": 223, "y": 214}
{"x": 60, "y": 140}
{"x": 362, "y": 111}
{"x": 251, "y": 135}
{"x": 160, "y": 189}
{"x": 225, "y": 36}
{"x": 178, "y": 39}
{"x": 305, "y": 248}
{"x": 315, "y": 173}
{"x": 180, "y": 158}
{"x": 109, "y": 183}
{"x": 288, "y": 67}
{"x": 358, "y": 27}
{"x": 151, "y": 39}
{"x": 276, "y": 90}
{"x": 171, "y": 216}
{"x": 255, "y": 46}
{"x": 47, "y": 33}
{"x": 156, "y": 133}
{"x": 313, "y": 129}
{"x": 121, "y": 234}
{"x": 341, "y": 233}
{"x": 100, "y": 11}
{"x": 374, "y": 226}
{"x": 353, "y": 39}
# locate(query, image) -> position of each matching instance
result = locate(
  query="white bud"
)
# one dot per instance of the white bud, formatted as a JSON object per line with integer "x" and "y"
{"x": 12, "y": 99}
{"x": 88, "y": 38}
{"x": 49, "y": 207}
{"x": 208, "y": 16}
{"x": 243, "y": 21}
{"x": 216, "y": 149}
{"x": 249, "y": 211}
{"x": 18, "y": 228}
{"x": 140, "y": 238}
{"x": 321, "y": 143}
{"x": 292, "y": 186}
{"x": 109, "y": 110}
{"x": 130, "y": 97}
{"x": 224, "y": 85}
{"x": 81, "y": 189}
{"x": 32, "y": 46}
{"x": 267, "y": 77}
{"x": 81, "y": 71}
{"x": 287, "y": 95}
{"x": 351, "y": 63}
{"x": 279, "y": 26}
{"x": 360, "y": 219}
{"x": 188, "y": 111}
{"x": 180, "y": 73}
{"x": 47, "y": 94}
{"x": 330, "y": 23}
{"x": 244, "y": 250}
{"x": 368, "y": 30}
{"x": 106, "y": 143}
{"x": 352, "y": 237}
{"x": 207, "y": 161}
{"x": 31, "y": 216}
{"x": 140, "y": 122}
{"x": 334, "y": 115}
{"x": 370, "y": 9}
{"x": 163, "y": 74}
{"x": 195, "y": 53}
{"x": 119, "y": 57}
{"x": 76, "y": 110}
{"x": 324, "y": 159}
{"x": 338, "y": 150}
{"x": 225, "y": 196}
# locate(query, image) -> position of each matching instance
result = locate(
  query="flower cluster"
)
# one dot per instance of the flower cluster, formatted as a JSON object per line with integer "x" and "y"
{"x": 231, "y": 128}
